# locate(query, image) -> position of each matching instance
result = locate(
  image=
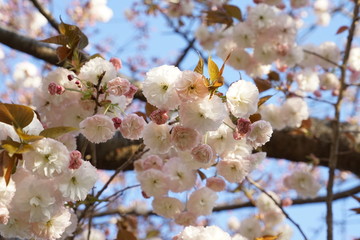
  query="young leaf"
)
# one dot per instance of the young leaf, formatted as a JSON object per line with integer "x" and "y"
{"x": 213, "y": 70}
{"x": 263, "y": 100}
{"x": 262, "y": 84}
{"x": 268, "y": 237}
{"x": 216, "y": 79}
{"x": 342, "y": 29}
{"x": 200, "y": 66}
{"x": 218, "y": 16}
{"x": 273, "y": 76}
{"x": 7, "y": 165}
{"x": 201, "y": 174}
{"x": 56, "y": 132}
{"x": 152, "y": 234}
{"x": 16, "y": 115}
{"x": 15, "y": 147}
{"x": 27, "y": 138}
{"x": 255, "y": 117}
{"x": 125, "y": 235}
{"x": 233, "y": 11}
{"x": 59, "y": 40}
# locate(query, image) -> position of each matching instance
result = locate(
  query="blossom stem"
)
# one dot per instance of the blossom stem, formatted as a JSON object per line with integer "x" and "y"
{"x": 277, "y": 204}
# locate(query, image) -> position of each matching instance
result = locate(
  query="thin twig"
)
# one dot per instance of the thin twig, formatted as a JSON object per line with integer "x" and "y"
{"x": 322, "y": 57}
{"x": 184, "y": 52}
{"x": 336, "y": 126}
{"x": 281, "y": 208}
{"x": 47, "y": 15}
{"x": 135, "y": 156}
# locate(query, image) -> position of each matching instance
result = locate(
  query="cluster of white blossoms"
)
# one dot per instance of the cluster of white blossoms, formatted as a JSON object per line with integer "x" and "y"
{"x": 266, "y": 36}
{"x": 192, "y": 130}
{"x": 268, "y": 221}
{"x": 303, "y": 182}
{"x": 91, "y": 11}
{"x": 209, "y": 232}
{"x": 64, "y": 91}
{"x": 33, "y": 203}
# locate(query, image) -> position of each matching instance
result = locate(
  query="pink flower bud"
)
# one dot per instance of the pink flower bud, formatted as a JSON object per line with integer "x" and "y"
{"x": 145, "y": 195}
{"x": 130, "y": 94}
{"x": 52, "y": 88}
{"x": 60, "y": 89}
{"x": 286, "y": 202}
{"x": 317, "y": 93}
{"x": 75, "y": 159}
{"x": 203, "y": 153}
{"x": 4, "y": 215}
{"x": 117, "y": 122}
{"x": 243, "y": 126}
{"x": 70, "y": 77}
{"x": 116, "y": 63}
{"x": 159, "y": 116}
{"x": 216, "y": 184}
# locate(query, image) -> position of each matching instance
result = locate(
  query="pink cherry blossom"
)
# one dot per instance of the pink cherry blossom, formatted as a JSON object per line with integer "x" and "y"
{"x": 118, "y": 86}
{"x": 132, "y": 126}
{"x": 184, "y": 138}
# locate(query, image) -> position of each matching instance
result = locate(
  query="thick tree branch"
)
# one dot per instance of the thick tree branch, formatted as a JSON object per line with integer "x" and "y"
{"x": 299, "y": 147}
{"x": 28, "y": 45}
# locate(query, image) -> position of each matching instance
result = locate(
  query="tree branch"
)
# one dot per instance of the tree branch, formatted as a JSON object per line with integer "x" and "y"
{"x": 47, "y": 15}
{"x": 334, "y": 150}
{"x": 28, "y": 45}
{"x": 279, "y": 206}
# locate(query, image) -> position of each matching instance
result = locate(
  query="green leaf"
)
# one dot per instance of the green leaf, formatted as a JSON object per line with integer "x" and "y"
{"x": 13, "y": 147}
{"x": 16, "y": 115}
{"x": 233, "y": 11}
{"x": 200, "y": 66}
{"x": 263, "y": 100}
{"x": 56, "y": 132}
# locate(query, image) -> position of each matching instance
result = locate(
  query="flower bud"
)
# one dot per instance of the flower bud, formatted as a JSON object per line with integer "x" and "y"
{"x": 159, "y": 116}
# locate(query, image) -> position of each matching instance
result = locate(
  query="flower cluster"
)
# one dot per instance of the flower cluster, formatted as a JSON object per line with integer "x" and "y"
{"x": 192, "y": 130}
{"x": 32, "y": 204}
{"x": 268, "y": 221}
